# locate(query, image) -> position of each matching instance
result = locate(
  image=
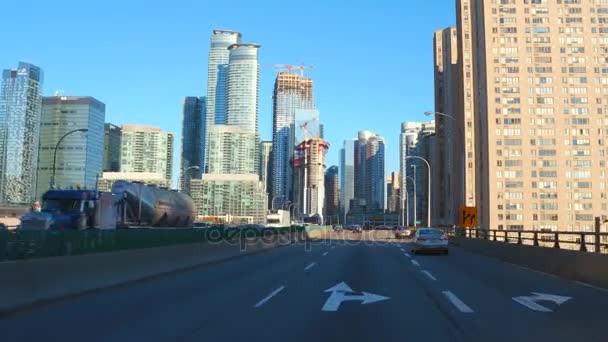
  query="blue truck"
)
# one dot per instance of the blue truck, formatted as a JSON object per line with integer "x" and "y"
{"x": 128, "y": 205}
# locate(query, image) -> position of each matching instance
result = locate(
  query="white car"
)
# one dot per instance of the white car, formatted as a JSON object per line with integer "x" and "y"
{"x": 430, "y": 239}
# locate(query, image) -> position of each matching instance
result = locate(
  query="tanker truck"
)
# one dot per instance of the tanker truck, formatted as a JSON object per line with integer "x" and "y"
{"x": 128, "y": 205}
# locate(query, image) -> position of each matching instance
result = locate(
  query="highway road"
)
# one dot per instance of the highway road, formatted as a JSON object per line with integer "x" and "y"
{"x": 368, "y": 288}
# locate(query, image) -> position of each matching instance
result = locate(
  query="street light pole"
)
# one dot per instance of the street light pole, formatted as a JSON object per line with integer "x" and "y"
{"x": 83, "y": 130}
{"x": 274, "y": 198}
{"x": 428, "y": 166}
{"x": 415, "y": 200}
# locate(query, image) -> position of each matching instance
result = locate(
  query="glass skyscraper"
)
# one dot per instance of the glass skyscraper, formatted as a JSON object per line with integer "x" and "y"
{"x": 80, "y": 155}
{"x": 193, "y": 140}
{"x": 243, "y": 87}
{"x": 291, "y": 92}
{"x": 347, "y": 177}
{"x": 217, "y": 75}
{"x": 147, "y": 149}
{"x": 20, "y": 112}
{"x": 232, "y": 150}
{"x": 111, "y": 148}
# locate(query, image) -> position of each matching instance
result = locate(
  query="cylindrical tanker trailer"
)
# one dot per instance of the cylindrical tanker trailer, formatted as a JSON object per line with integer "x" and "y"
{"x": 150, "y": 206}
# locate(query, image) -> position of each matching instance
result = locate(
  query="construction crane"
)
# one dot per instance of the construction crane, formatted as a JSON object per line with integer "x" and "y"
{"x": 290, "y": 67}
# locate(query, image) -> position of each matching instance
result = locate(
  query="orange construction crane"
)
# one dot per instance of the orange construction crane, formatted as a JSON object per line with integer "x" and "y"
{"x": 290, "y": 67}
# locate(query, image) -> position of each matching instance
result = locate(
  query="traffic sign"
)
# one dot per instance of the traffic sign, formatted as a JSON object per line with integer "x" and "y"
{"x": 468, "y": 216}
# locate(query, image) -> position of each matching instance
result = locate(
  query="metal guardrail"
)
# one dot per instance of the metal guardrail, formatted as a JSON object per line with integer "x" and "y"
{"x": 22, "y": 244}
{"x": 581, "y": 241}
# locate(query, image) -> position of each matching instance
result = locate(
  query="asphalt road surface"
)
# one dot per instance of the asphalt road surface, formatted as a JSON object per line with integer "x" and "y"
{"x": 366, "y": 288}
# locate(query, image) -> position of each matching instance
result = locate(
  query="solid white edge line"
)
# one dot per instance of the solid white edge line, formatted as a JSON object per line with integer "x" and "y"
{"x": 324, "y": 254}
{"x": 459, "y": 304}
{"x": 272, "y": 294}
{"x": 591, "y": 286}
{"x": 428, "y": 274}
{"x": 310, "y": 266}
{"x": 416, "y": 263}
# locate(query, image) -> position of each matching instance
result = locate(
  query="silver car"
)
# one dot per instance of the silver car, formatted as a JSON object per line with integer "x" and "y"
{"x": 430, "y": 239}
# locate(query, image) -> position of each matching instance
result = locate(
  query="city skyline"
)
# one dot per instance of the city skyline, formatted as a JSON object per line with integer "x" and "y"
{"x": 155, "y": 97}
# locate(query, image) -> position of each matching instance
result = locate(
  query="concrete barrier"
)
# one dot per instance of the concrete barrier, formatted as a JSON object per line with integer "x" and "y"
{"x": 591, "y": 268}
{"x": 29, "y": 282}
{"x": 316, "y": 232}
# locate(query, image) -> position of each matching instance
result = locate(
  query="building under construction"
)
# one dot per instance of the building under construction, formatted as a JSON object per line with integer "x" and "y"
{"x": 292, "y": 92}
{"x": 309, "y": 177}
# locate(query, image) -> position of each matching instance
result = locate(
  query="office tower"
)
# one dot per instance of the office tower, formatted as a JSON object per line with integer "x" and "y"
{"x": 232, "y": 150}
{"x": 217, "y": 76}
{"x": 309, "y": 178}
{"x": 369, "y": 171}
{"x": 243, "y": 86}
{"x": 20, "y": 113}
{"x": 193, "y": 140}
{"x": 146, "y": 149}
{"x": 332, "y": 196}
{"x": 449, "y": 164}
{"x": 408, "y": 140}
{"x": 393, "y": 193}
{"x": 79, "y": 155}
{"x": 291, "y": 92}
{"x": 541, "y": 76}
{"x": 347, "y": 177}
{"x": 111, "y": 148}
{"x": 265, "y": 166}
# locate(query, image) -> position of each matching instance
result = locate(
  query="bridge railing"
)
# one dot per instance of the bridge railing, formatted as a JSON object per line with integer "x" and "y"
{"x": 581, "y": 241}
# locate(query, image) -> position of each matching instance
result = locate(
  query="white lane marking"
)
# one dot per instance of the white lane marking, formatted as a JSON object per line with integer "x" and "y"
{"x": 340, "y": 293}
{"x": 333, "y": 247}
{"x": 272, "y": 294}
{"x": 310, "y": 266}
{"x": 592, "y": 286}
{"x": 428, "y": 274}
{"x": 416, "y": 263}
{"x": 460, "y": 305}
{"x": 531, "y": 301}
{"x": 408, "y": 255}
{"x": 324, "y": 254}
{"x": 403, "y": 250}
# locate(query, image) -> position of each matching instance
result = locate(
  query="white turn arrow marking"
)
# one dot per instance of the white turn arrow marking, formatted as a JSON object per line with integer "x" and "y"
{"x": 531, "y": 301}
{"x": 339, "y": 294}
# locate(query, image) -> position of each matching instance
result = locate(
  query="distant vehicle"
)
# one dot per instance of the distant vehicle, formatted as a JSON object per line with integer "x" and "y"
{"x": 356, "y": 228}
{"x": 383, "y": 227}
{"x": 278, "y": 218}
{"x": 129, "y": 204}
{"x": 338, "y": 228}
{"x": 430, "y": 239}
{"x": 402, "y": 233}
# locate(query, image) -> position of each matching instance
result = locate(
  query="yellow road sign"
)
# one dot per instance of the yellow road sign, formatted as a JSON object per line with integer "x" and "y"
{"x": 468, "y": 216}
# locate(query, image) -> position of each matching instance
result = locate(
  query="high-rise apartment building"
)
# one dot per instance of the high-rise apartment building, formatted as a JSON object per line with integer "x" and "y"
{"x": 332, "y": 196}
{"x": 369, "y": 171}
{"x": 232, "y": 150}
{"x": 540, "y": 77}
{"x": 309, "y": 178}
{"x": 231, "y": 189}
{"x": 146, "y": 149}
{"x": 20, "y": 113}
{"x": 411, "y": 132}
{"x": 79, "y": 155}
{"x": 265, "y": 166}
{"x": 291, "y": 92}
{"x": 243, "y": 86}
{"x": 449, "y": 163}
{"x": 193, "y": 140}
{"x": 393, "y": 193}
{"x": 347, "y": 177}
{"x": 217, "y": 76}
{"x": 111, "y": 148}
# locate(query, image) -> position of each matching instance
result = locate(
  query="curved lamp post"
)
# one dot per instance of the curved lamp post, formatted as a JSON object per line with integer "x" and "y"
{"x": 428, "y": 167}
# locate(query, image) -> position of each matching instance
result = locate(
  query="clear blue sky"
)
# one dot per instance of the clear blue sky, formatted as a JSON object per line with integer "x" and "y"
{"x": 374, "y": 59}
